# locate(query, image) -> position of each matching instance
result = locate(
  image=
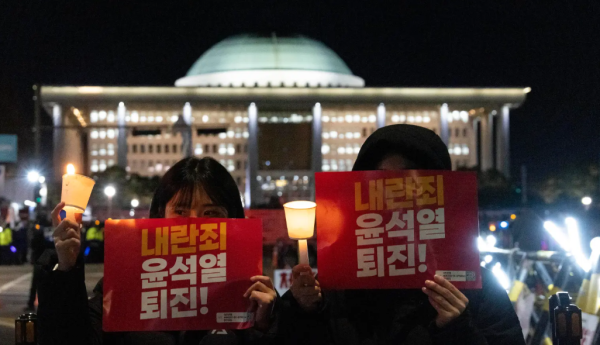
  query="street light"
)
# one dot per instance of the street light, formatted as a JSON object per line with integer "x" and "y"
{"x": 33, "y": 176}
{"x": 110, "y": 191}
{"x": 135, "y": 203}
{"x": 586, "y": 200}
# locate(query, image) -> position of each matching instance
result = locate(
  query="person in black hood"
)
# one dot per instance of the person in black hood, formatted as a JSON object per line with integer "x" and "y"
{"x": 439, "y": 314}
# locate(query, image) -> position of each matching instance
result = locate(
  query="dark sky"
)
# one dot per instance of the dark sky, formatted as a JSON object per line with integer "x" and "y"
{"x": 552, "y": 46}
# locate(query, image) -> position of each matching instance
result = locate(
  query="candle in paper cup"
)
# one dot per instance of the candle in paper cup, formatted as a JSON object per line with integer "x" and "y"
{"x": 300, "y": 219}
{"x": 76, "y": 191}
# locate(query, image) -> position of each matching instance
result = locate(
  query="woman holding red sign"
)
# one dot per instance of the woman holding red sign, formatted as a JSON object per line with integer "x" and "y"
{"x": 191, "y": 188}
{"x": 438, "y": 314}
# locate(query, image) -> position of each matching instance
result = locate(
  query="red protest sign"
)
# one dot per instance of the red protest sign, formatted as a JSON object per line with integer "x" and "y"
{"x": 179, "y": 274}
{"x": 395, "y": 229}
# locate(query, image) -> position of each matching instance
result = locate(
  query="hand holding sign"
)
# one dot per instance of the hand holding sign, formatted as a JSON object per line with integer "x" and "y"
{"x": 447, "y": 300}
{"x": 263, "y": 295}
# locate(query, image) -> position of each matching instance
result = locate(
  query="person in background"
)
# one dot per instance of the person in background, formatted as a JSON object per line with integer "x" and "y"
{"x": 39, "y": 244}
{"x": 191, "y": 188}
{"x": 20, "y": 241}
{"x": 438, "y": 313}
{"x": 6, "y": 240}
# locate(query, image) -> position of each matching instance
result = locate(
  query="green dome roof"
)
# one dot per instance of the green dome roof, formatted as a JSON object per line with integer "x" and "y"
{"x": 253, "y": 52}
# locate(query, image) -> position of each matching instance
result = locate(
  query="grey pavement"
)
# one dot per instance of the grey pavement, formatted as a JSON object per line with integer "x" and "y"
{"x": 15, "y": 282}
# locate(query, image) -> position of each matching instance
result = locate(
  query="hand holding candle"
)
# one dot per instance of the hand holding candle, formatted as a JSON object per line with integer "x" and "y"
{"x": 300, "y": 219}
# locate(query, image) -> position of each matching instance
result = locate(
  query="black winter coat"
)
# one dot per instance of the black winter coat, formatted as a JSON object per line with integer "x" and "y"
{"x": 67, "y": 317}
{"x": 401, "y": 317}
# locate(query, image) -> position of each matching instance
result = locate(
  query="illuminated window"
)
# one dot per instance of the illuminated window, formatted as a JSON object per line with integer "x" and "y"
{"x": 111, "y": 149}
{"x": 110, "y": 133}
{"x": 159, "y": 119}
{"x": 135, "y": 117}
{"x": 94, "y": 134}
{"x": 222, "y": 149}
{"x": 341, "y": 150}
{"x": 372, "y": 118}
{"x": 174, "y": 118}
{"x": 102, "y": 115}
{"x": 333, "y": 134}
{"x": 93, "y": 119}
{"x": 204, "y": 118}
{"x": 102, "y": 165}
{"x": 325, "y": 119}
{"x": 102, "y": 134}
{"x": 111, "y": 162}
{"x": 402, "y": 118}
{"x": 325, "y": 149}
{"x": 111, "y": 116}
{"x": 102, "y": 150}
{"x": 465, "y": 149}
{"x": 230, "y": 150}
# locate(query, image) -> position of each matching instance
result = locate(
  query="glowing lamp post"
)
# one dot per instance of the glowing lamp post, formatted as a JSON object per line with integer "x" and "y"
{"x": 76, "y": 191}
{"x": 300, "y": 219}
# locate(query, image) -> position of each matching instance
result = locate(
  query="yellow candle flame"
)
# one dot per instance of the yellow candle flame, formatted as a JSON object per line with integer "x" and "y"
{"x": 70, "y": 169}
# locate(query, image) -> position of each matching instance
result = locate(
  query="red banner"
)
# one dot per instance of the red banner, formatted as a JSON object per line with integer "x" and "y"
{"x": 395, "y": 229}
{"x": 179, "y": 274}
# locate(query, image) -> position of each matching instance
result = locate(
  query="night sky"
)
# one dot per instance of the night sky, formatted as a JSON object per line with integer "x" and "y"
{"x": 552, "y": 46}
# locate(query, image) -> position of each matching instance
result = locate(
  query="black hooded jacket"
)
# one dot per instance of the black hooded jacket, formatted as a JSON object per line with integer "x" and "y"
{"x": 401, "y": 317}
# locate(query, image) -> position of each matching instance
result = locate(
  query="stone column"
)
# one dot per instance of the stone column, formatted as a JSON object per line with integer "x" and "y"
{"x": 487, "y": 159}
{"x": 252, "y": 186}
{"x": 68, "y": 145}
{"x": 503, "y": 142}
{"x": 186, "y": 135}
{"x": 121, "y": 137}
{"x": 443, "y": 122}
{"x": 317, "y": 143}
{"x": 381, "y": 115}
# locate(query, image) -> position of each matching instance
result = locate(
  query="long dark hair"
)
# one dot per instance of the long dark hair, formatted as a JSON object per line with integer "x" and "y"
{"x": 190, "y": 174}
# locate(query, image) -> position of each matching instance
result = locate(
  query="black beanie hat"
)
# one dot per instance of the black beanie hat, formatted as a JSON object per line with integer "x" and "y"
{"x": 416, "y": 143}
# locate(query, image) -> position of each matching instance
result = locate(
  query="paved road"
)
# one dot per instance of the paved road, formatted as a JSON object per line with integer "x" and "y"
{"x": 14, "y": 292}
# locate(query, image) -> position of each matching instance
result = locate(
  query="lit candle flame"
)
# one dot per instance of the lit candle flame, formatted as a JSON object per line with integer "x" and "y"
{"x": 70, "y": 169}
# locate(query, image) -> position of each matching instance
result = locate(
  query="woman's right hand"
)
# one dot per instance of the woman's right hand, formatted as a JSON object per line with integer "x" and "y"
{"x": 67, "y": 239}
{"x": 305, "y": 288}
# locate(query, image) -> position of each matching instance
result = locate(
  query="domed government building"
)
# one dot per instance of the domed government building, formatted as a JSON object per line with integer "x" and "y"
{"x": 273, "y": 110}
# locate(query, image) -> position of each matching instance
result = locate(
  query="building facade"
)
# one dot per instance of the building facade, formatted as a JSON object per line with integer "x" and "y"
{"x": 273, "y": 111}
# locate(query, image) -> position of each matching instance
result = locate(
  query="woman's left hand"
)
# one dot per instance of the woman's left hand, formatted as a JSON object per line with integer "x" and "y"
{"x": 449, "y": 302}
{"x": 263, "y": 295}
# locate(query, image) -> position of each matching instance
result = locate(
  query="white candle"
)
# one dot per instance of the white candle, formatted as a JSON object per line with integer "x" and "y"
{"x": 303, "y": 252}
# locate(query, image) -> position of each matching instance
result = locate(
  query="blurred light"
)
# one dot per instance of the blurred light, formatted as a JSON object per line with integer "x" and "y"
{"x": 30, "y": 203}
{"x": 573, "y": 232}
{"x": 481, "y": 245}
{"x": 492, "y": 227}
{"x": 504, "y": 224}
{"x": 70, "y": 169}
{"x": 13, "y": 249}
{"x": 491, "y": 240}
{"x": 37, "y": 226}
{"x": 488, "y": 258}
{"x": 135, "y": 203}
{"x": 110, "y": 191}
{"x": 482, "y": 264}
{"x": 557, "y": 235}
{"x": 97, "y": 222}
{"x": 325, "y": 149}
{"x": 87, "y": 251}
{"x": 586, "y": 200}
{"x": 42, "y": 179}
{"x": 33, "y": 176}
{"x": 513, "y": 216}
{"x": 527, "y": 90}
{"x": 501, "y": 276}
